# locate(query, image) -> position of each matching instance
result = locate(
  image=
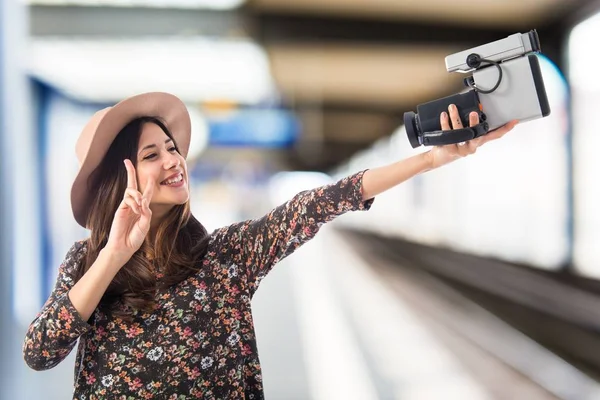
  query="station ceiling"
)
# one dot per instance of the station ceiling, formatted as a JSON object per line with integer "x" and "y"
{"x": 348, "y": 68}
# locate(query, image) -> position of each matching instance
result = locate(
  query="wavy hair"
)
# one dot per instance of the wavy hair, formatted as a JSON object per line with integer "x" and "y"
{"x": 177, "y": 248}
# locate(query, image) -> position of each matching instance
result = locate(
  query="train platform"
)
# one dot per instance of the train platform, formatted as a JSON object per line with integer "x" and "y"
{"x": 340, "y": 319}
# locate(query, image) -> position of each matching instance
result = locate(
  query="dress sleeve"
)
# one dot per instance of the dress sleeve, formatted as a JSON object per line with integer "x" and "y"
{"x": 255, "y": 246}
{"x": 56, "y": 328}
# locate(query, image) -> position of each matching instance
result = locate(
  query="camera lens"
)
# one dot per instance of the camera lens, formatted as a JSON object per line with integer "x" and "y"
{"x": 412, "y": 130}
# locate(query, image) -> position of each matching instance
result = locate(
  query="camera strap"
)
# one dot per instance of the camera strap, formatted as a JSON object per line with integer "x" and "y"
{"x": 440, "y": 138}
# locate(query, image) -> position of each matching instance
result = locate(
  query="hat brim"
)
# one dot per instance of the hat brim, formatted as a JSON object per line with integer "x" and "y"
{"x": 168, "y": 108}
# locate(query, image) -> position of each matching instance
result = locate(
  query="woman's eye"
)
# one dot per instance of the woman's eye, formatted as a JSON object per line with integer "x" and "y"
{"x": 150, "y": 156}
{"x": 172, "y": 149}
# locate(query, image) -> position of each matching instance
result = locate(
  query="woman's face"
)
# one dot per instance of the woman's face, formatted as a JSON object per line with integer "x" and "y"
{"x": 158, "y": 161}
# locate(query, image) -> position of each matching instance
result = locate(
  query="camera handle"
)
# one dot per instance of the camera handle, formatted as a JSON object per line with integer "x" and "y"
{"x": 474, "y": 61}
{"x": 440, "y": 138}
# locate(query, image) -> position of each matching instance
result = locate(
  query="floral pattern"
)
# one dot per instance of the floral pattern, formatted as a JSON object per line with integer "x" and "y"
{"x": 199, "y": 342}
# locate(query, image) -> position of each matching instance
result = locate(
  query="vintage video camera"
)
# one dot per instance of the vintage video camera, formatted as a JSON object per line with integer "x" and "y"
{"x": 506, "y": 84}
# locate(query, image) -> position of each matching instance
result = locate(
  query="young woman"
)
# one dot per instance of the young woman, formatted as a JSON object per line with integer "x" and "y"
{"x": 161, "y": 307}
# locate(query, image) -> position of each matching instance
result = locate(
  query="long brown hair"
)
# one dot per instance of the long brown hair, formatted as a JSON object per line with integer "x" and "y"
{"x": 177, "y": 248}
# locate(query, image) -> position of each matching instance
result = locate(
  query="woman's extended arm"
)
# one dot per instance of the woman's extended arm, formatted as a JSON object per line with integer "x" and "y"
{"x": 257, "y": 245}
{"x": 378, "y": 180}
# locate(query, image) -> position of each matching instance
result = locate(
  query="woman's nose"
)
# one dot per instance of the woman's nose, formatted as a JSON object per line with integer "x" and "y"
{"x": 172, "y": 162}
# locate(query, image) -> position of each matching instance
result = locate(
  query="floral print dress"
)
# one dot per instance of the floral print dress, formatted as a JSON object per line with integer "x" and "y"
{"x": 199, "y": 343}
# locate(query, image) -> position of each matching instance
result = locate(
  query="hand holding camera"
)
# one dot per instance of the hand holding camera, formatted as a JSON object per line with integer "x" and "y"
{"x": 452, "y": 121}
{"x": 506, "y": 85}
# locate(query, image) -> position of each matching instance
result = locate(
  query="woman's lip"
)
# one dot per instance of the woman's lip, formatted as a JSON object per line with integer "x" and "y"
{"x": 171, "y": 177}
{"x": 163, "y": 182}
{"x": 175, "y": 184}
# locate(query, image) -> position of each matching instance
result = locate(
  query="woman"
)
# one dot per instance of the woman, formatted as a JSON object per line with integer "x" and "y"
{"x": 160, "y": 307}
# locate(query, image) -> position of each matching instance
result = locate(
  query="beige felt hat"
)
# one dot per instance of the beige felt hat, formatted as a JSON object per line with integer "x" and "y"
{"x": 105, "y": 125}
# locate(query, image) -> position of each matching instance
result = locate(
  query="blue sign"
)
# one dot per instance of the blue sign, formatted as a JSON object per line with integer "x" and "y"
{"x": 253, "y": 128}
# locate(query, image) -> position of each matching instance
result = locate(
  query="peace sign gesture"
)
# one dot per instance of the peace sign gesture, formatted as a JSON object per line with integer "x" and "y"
{"x": 131, "y": 222}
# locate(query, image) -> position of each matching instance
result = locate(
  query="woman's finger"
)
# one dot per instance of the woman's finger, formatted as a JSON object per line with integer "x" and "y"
{"x": 131, "y": 179}
{"x": 149, "y": 190}
{"x": 444, "y": 121}
{"x": 131, "y": 203}
{"x": 473, "y": 119}
{"x": 472, "y": 145}
{"x": 475, "y": 143}
{"x": 137, "y": 196}
{"x": 454, "y": 117}
{"x": 145, "y": 217}
{"x": 146, "y": 211}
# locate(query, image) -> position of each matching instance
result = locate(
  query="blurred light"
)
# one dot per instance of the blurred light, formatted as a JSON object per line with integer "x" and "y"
{"x": 285, "y": 185}
{"x": 199, "y": 138}
{"x": 209, "y": 4}
{"x": 195, "y": 69}
{"x": 583, "y": 54}
{"x": 583, "y": 60}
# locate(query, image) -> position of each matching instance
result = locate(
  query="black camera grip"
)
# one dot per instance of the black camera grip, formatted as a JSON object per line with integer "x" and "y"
{"x": 440, "y": 138}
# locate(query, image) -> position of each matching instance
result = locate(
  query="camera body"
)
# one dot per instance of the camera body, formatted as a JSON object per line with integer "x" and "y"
{"x": 506, "y": 84}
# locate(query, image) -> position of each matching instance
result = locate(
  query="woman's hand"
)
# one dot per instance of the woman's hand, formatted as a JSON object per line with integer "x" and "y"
{"x": 441, "y": 155}
{"x": 131, "y": 222}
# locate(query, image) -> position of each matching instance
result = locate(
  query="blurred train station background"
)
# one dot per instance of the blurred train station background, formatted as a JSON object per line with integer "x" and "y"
{"x": 480, "y": 280}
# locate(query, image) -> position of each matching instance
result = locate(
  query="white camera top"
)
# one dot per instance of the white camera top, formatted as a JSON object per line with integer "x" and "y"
{"x": 513, "y": 46}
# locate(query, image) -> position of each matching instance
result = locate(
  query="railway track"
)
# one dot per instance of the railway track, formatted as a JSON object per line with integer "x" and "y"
{"x": 523, "y": 334}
